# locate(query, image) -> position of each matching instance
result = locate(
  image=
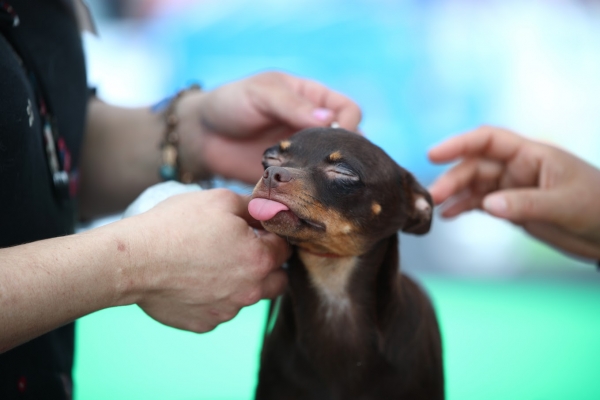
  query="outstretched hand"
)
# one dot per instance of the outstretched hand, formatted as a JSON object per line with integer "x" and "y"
{"x": 226, "y": 130}
{"x": 552, "y": 194}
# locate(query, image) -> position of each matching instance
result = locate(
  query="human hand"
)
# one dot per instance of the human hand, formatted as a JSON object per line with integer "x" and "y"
{"x": 226, "y": 130}
{"x": 552, "y": 194}
{"x": 196, "y": 261}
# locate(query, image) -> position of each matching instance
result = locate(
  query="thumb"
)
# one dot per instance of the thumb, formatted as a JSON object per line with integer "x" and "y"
{"x": 524, "y": 205}
{"x": 294, "y": 110}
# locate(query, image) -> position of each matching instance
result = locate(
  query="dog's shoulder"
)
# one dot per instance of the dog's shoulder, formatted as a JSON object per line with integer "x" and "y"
{"x": 411, "y": 337}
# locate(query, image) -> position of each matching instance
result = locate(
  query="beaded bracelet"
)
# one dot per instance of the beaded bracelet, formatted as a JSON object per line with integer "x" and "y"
{"x": 170, "y": 168}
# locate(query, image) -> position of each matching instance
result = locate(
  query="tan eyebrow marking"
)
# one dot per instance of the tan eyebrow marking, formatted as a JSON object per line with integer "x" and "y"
{"x": 285, "y": 145}
{"x": 336, "y": 155}
{"x": 376, "y": 208}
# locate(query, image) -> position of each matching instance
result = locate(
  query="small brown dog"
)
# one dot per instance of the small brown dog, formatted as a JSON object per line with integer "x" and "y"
{"x": 350, "y": 325}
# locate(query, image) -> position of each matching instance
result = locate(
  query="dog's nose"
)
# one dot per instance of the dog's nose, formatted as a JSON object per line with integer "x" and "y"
{"x": 274, "y": 176}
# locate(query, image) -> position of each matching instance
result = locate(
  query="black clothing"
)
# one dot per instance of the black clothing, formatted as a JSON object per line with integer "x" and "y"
{"x": 29, "y": 208}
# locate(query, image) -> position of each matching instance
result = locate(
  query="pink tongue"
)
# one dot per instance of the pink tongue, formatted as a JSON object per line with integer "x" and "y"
{"x": 263, "y": 209}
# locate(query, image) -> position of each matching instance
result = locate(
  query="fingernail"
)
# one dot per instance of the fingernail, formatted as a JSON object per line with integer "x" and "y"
{"x": 322, "y": 114}
{"x": 495, "y": 204}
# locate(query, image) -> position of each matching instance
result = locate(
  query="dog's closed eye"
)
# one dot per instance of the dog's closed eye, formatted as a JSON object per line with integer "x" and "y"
{"x": 271, "y": 158}
{"x": 341, "y": 171}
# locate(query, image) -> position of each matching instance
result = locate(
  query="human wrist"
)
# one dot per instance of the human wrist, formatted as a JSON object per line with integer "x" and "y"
{"x": 179, "y": 146}
{"x": 126, "y": 257}
{"x": 192, "y": 111}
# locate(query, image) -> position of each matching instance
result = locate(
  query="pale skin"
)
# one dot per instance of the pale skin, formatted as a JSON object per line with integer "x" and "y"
{"x": 552, "y": 194}
{"x": 194, "y": 260}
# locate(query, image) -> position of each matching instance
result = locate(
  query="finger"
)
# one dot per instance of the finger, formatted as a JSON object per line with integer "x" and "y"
{"x": 234, "y": 203}
{"x": 224, "y": 312}
{"x": 194, "y": 319}
{"x": 347, "y": 112}
{"x": 202, "y": 325}
{"x": 284, "y": 104}
{"x": 238, "y": 206}
{"x": 243, "y": 212}
{"x": 468, "y": 173}
{"x": 349, "y": 116}
{"x": 490, "y": 142}
{"x": 562, "y": 240}
{"x": 276, "y": 246}
{"x": 525, "y": 205}
{"x": 274, "y": 284}
{"x": 463, "y": 202}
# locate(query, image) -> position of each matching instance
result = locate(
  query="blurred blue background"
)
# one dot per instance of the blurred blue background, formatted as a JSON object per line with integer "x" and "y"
{"x": 519, "y": 320}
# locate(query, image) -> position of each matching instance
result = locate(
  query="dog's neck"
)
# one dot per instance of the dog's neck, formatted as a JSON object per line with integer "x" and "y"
{"x": 351, "y": 293}
{"x": 330, "y": 278}
{"x": 337, "y": 308}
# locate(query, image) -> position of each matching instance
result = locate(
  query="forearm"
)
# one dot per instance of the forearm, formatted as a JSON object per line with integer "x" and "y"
{"x": 120, "y": 156}
{"x": 46, "y": 284}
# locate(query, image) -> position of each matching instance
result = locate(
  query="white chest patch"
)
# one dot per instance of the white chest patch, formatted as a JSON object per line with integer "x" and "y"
{"x": 330, "y": 277}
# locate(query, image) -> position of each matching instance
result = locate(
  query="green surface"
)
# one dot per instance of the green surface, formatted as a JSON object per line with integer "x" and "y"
{"x": 513, "y": 340}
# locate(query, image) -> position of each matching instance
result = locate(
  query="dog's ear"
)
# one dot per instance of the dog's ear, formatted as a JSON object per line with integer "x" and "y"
{"x": 420, "y": 207}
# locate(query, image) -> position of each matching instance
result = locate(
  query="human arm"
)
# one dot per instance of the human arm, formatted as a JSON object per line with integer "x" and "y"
{"x": 552, "y": 194}
{"x": 191, "y": 262}
{"x": 222, "y": 132}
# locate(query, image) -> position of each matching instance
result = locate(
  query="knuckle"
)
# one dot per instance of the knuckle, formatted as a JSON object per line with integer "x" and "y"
{"x": 268, "y": 78}
{"x": 223, "y": 315}
{"x": 278, "y": 285}
{"x": 490, "y": 132}
{"x": 226, "y": 198}
{"x": 251, "y": 297}
{"x": 537, "y": 151}
{"x": 525, "y": 206}
{"x": 485, "y": 129}
{"x": 225, "y": 195}
{"x": 265, "y": 263}
{"x": 228, "y": 315}
{"x": 262, "y": 261}
{"x": 541, "y": 150}
{"x": 358, "y": 112}
{"x": 273, "y": 75}
{"x": 201, "y": 327}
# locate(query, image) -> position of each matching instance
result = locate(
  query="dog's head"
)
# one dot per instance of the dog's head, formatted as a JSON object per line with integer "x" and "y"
{"x": 330, "y": 191}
